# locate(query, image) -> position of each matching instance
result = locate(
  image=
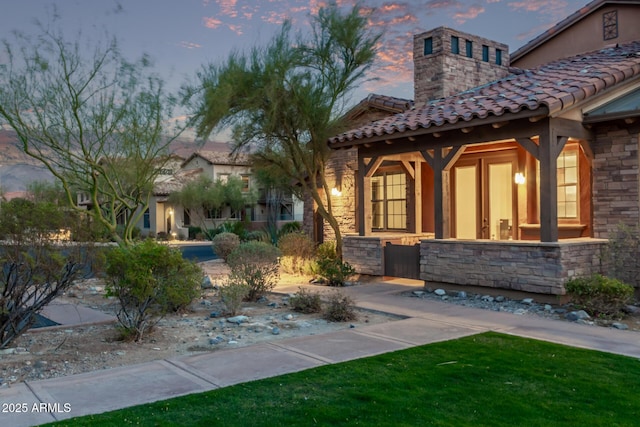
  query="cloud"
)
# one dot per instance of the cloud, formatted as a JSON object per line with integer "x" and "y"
{"x": 546, "y": 6}
{"x": 228, "y": 7}
{"x": 212, "y": 23}
{"x": 471, "y": 13}
{"x": 189, "y": 45}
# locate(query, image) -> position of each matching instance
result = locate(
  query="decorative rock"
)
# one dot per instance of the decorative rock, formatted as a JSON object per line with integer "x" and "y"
{"x": 288, "y": 317}
{"x": 500, "y": 298}
{"x": 462, "y": 294}
{"x": 206, "y": 303}
{"x": 275, "y": 330}
{"x": 547, "y": 307}
{"x": 520, "y": 311}
{"x": 216, "y": 340}
{"x": 560, "y": 311}
{"x": 571, "y": 316}
{"x": 487, "y": 298}
{"x": 233, "y": 342}
{"x": 352, "y": 326}
{"x": 238, "y": 319}
{"x": 527, "y": 301}
{"x": 206, "y": 282}
{"x": 418, "y": 293}
{"x": 273, "y": 304}
{"x": 214, "y": 314}
{"x": 440, "y": 292}
{"x": 621, "y": 326}
{"x": 631, "y": 309}
{"x": 583, "y": 315}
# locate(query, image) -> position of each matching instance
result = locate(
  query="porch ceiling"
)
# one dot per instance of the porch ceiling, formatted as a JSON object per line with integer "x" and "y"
{"x": 537, "y": 93}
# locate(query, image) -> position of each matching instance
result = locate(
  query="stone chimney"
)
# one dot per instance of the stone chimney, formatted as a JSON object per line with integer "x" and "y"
{"x": 447, "y": 62}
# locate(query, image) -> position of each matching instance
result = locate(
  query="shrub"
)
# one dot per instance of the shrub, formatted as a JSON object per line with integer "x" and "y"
{"x": 35, "y": 269}
{"x": 297, "y": 244}
{"x": 334, "y": 272}
{"x": 193, "y": 232}
{"x": 232, "y": 294}
{"x": 306, "y": 302}
{"x": 225, "y": 243}
{"x": 340, "y": 308}
{"x": 326, "y": 250}
{"x": 257, "y": 235}
{"x": 599, "y": 295}
{"x": 297, "y": 251}
{"x": 149, "y": 280}
{"x": 255, "y": 264}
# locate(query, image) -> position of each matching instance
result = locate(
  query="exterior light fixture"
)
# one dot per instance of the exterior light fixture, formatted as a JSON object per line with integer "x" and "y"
{"x": 336, "y": 192}
{"x": 519, "y": 178}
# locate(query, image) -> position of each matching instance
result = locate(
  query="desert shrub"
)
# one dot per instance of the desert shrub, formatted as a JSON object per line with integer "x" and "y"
{"x": 238, "y": 228}
{"x": 257, "y": 235}
{"x": 289, "y": 227}
{"x": 326, "y": 250}
{"x": 225, "y": 243}
{"x": 149, "y": 280}
{"x": 339, "y": 308}
{"x": 334, "y": 272}
{"x": 255, "y": 264}
{"x": 232, "y": 293}
{"x": 297, "y": 252}
{"x": 34, "y": 269}
{"x": 194, "y": 231}
{"x": 306, "y": 302}
{"x": 599, "y": 295}
{"x": 297, "y": 244}
{"x": 298, "y": 266}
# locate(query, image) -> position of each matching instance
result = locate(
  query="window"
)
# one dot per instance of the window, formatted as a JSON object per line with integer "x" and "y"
{"x": 499, "y": 56}
{"x": 568, "y": 184}
{"x": 213, "y": 213}
{"x": 485, "y": 53}
{"x": 469, "y": 48}
{"x": 389, "y": 201}
{"x": 245, "y": 183}
{"x": 428, "y": 46}
{"x": 455, "y": 45}
{"x": 146, "y": 219}
{"x": 610, "y": 25}
{"x": 186, "y": 218}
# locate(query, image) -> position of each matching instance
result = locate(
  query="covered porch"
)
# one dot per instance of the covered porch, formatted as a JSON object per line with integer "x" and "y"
{"x": 502, "y": 204}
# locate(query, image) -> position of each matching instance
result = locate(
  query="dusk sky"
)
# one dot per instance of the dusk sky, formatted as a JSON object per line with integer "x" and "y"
{"x": 182, "y": 35}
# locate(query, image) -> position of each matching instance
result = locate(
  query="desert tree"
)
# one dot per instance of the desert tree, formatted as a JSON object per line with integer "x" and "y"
{"x": 95, "y": 120}
{"x": 285, "y": 99}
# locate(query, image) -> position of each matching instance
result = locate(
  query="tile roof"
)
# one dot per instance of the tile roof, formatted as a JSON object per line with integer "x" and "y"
{"x": 555, "y": 86}
{"x": 176, "y": 182}
{"x": 384, "y": 102}
{"x": 221, "y": 158}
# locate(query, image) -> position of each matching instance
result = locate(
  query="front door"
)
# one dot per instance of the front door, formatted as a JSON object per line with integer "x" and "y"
{"x": 483, "y": 199}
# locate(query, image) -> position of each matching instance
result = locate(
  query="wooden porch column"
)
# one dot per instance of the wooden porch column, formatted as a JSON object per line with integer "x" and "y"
{"x": 441, "y": 192}
{"x": 549, "y": 148}
{"x": 417, "y": 197}
{"x": 364, "y": 205}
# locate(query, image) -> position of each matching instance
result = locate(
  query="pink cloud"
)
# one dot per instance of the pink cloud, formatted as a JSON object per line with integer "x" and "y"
{"x": 228, "y": 7}
{"x": 471, "y": 13}
{"x": 212, "y": 23}
{"x": 535, "y": 5}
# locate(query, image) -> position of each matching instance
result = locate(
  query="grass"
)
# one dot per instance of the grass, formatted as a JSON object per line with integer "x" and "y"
{"x": 483, "y": 380}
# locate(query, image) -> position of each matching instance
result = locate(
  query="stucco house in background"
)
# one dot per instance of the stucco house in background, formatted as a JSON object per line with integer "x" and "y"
{"x": 507, "y": 171}
{"x": 217, "y": 163}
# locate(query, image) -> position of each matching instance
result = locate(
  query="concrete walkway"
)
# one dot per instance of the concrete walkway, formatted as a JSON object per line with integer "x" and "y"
{"x": 426, "y": 322}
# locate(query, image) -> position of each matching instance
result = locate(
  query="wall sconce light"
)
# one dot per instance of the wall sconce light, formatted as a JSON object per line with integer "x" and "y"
{"x": 170, "y": 211}
{"x": 519, "y": 178}
{"x": 336, "y": 192}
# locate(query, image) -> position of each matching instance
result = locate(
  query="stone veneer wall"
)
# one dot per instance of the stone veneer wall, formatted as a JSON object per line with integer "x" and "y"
{"x": 443, "y": 73}
{"x": 517, "y": 265}
{"x": 340, "y": 173}
{"x": 615, "y": 180}
{"x": 366, "y": 253}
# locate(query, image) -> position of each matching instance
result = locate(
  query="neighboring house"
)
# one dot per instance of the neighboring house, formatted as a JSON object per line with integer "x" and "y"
{"x": 503, "y": 177}
{"x": 218, "y": 164}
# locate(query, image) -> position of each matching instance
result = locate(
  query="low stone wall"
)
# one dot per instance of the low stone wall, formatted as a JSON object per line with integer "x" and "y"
{"x": 366, "y": 253}
{"x": 518, "y": 265}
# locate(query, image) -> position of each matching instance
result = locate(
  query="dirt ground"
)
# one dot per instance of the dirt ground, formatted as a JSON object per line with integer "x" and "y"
{"x": 54, "y": 352}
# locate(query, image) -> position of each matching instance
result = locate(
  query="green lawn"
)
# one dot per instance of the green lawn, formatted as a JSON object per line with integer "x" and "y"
{"x": 488, "y": 379}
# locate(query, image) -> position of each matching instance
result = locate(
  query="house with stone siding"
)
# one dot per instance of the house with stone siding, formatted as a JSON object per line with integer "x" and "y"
{"x": 507, "y": 170}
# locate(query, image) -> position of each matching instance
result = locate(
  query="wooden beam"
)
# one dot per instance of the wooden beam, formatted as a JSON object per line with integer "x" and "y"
{"x": 548, "y": 188}
{"x": 536, "y": 119}
{"x": 467, "y": 130}
{"x": 529, "y": 145}
{"x": 408, "y": 169}
{"x": 373, "y": 165}
{"x": 364, "y": 205}
{"x": 388, "y": 141}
